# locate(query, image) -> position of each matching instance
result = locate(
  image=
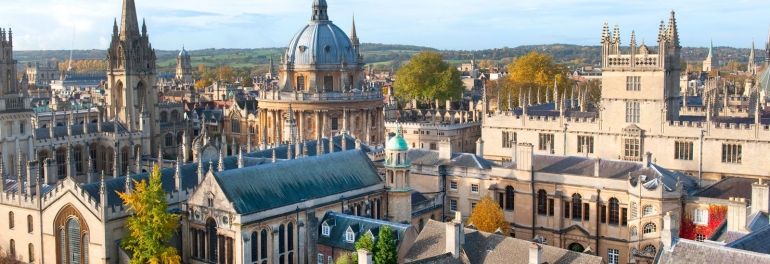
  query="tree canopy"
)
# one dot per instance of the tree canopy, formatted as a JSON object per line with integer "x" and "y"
{"x": 151, "y": 225}
{"x": 428, "y": 77}
{"x": 528, "y": 74}
{"x": 385, "y": 250}
{"x": 487, "y": 216}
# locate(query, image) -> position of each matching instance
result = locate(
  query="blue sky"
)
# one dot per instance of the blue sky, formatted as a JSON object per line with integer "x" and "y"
{"x": 443, "y": 24}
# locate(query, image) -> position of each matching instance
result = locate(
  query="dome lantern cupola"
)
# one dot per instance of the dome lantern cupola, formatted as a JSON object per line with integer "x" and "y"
{"x": 396, "y": 150}
{"x": 319, "y": 10}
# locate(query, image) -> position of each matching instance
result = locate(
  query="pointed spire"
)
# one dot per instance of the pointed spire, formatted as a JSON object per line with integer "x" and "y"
{"x": 662, "y": 31}
{"x": 144, "y": 28}
{"x": 240, "y": 157}
{"x": 353, "y": 35}
{"x": 129, "y": 25}
{"x": 673, "y": 34}
{"x": 711, "y": 47}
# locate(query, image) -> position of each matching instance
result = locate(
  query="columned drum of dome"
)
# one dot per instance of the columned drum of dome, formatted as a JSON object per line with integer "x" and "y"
{"x": 322, "y": 76}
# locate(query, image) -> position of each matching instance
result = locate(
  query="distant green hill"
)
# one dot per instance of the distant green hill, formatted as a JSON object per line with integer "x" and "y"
{"x": 384, "y": 56}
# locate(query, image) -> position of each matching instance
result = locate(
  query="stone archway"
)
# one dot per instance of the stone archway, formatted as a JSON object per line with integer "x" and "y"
{"x": 577, "y": 247}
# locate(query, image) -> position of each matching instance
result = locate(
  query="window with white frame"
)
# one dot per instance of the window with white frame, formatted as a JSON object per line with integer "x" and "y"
{"x": 325, "y": 229}
{"x": 633, "y": 83}
{"x": 474, "y": 188}
{"x": 613, "y": 256}
{"x": 350, "y": 236}
{"x": 453, "y": 185}
{"x": 700, "y": 216}
{"x": 320, "y": 258}
{"x": 648, "y": 210}
{"x": 649, "y": 228}
{"x": 632, "y": 112}
{"x": 331, "y": 261}
{"x": 631, "y": 148}
{"x": 453, "y": 205}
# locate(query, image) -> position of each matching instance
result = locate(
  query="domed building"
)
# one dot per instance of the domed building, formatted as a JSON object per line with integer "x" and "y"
{"x": 322, "y": 77}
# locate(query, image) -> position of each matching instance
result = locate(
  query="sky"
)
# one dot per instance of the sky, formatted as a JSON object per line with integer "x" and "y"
{"x": 442, "y": 24}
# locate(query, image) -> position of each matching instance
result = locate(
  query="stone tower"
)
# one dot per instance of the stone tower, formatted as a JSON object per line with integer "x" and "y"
{"x": 184, "y": 67}
{"x": 7, "y": 65}
{"x": 131, "y": 76}
{"x": 752, "y": 66}
{"x": 711, "y": 63}
{"x": 397, "y": 166}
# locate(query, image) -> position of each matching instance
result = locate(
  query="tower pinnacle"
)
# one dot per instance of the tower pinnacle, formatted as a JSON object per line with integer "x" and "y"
{"x": 129, "y": 25}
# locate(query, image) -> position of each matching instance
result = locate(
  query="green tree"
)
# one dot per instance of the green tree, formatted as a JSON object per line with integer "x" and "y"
{"x": 386, "y": 247}
{"x": 366, "y": 241}
{"x": 536, "y": 70}
{"x": 487, "y": 216}
{"x": 427, "y": 77}
{"x": 247, "y": 81}
{"x": 151, "y": 225}
{"x": 345, "y": 258}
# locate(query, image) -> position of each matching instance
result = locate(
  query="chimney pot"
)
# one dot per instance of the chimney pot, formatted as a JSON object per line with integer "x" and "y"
{"x": 535, "y": 253}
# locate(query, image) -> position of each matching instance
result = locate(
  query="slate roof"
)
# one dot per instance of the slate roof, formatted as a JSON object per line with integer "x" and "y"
{"x": 431, "y": 157}
{"x": 339, "y": 224}
{"x": 757, "y": 220}
{"x": 688, "y": 251}
{"x": 757, "y": 241}
{"x": 254, "y": 189}
{"x": 77, "y": 129}
{"x": 729, "y": 187}
{"x": 11, "y": 186}
{"x": 483, "y": 247}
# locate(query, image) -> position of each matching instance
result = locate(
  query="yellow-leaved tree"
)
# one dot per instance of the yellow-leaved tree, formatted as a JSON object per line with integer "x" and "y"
{"x": 488, "y": 216}
{"x": 151, "y": 225}
{"x": 535, "y": 71}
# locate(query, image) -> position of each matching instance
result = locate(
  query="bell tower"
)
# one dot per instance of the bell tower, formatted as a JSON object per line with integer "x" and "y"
{"x": 397, "y": 167}
{"x": 131, "y": 76}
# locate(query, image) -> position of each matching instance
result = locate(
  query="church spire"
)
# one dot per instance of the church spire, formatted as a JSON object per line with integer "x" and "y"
{"x": 353, "y": 35}
{"x": 711, "y": 47}
{"x": 673, "y": 33}
{"x": 752, "y": 66}
{"x": 129, "y": 25}
{"x": 319, "y": 10}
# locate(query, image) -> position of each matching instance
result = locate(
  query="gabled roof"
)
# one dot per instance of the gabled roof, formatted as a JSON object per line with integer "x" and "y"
{"x": 339, "y": 224}
{"x": 688, "y": 251}
{"x": 483, "y": 247}
{"x": 431, "y": 157}
{"x": 757, "y": 241}
{"x": 259, "y": 188}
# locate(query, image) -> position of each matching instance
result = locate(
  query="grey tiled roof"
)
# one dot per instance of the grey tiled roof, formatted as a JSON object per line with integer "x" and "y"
{"x": 729, "y": 187}
{"x": 757, "y": 241}
{"x": 483, "y": 247}
{"x": 688, "y": 251}
{"x": 757, "y": 220}
{"x": 259, "y": 188}
{"x": 77, "y": 129}
{"x": 431, "y": 157}
{"x": 361, "y": 225}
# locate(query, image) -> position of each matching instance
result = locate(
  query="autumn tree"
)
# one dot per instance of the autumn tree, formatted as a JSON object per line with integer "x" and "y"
{"x": 538, "y": 71}
{"x": 385, "y": 250}
{"x": 247, "y": 81}
{"x": 487, "y": 216}
{"x": 225, "y": 74}
{"x": 593, "y": 88}
{"x": 202, "y": 68}
{"x": 151, "y": 225}
{"x": 6, "y": 257}
{"x": 428, "y": 77}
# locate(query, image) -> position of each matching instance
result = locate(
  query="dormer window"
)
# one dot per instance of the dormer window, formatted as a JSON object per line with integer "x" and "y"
{"x": 350, "y": 236}
{"x": 325, "y": 229}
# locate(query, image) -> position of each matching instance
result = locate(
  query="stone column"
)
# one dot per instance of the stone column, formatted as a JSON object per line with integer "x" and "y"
{"x": 317, "y": 125}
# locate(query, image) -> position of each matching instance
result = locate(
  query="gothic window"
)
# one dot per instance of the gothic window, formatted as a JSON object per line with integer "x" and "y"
{"x": 542, "y": 198}
{"x": 649, "y": 228}
{"x": 328, "y": 83}
{"x": 78, "y": 156}
{"x": 281, "y": 239}
{"x": 577, "y": 202}
{"x": 290, "y": 238}
{"x": 263, "y": 246}
{"x": 163, "y": 117}
{"x": 545, "y": 142}
{"x": 73, "y": 240}
{"x": 12, "y": 165}
{"x": 732, "y": 153}
{"x": 31, "y": 253}
{"x": 586, "y": 142}
{"x": 124, "y": 161}
{"x": 169, "y": 140}
{"x": 301, "y": 83}
{"x": 235, "y": 125}
{"x": 683, "y": 150}
{"x": 614, "y": 211}
{"x": 509, "y": 198}
{"x": 61, "y": 162}
{"x": 211, "y": 228}
{"x": 10, "y": 220}
{"x": 30, "y": 224}
{"x": 648, "y": 210}
{"x": 13, "y": 248}
{"x": 634, "y": 231}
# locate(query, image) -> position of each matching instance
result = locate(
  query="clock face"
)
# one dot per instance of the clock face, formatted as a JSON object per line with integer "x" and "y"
{"x": 142, "y": 74}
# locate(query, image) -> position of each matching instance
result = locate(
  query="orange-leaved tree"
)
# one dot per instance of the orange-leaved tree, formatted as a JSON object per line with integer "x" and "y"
{"x": 488, "y": 216}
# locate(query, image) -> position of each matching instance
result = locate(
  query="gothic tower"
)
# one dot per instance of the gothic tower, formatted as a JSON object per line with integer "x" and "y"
{"x": 397, "y": 167}
{"x": 8, "y": 81}
{"x": 131, "y": 76}
{"x": 184, "y": 67}
{"x": 752, "y": 66}
{"x": 767, "y": 48}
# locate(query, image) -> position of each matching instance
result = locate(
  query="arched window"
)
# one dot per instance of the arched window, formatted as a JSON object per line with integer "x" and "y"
{"x": 509, "y": 199}
{"x": 124, "y": 161}
{"x": 31, "y": 253}
{"x": 61, "y": 162}
{"x": 634, "y": 210}
{"x": 163, "y": 116}
{"x": 29, "y": 224}
{"x": 281, "y": 239}
{"x": 577, "y": 247}
{"x": 77, "y": 154}
{"x": 634, "y": 231}
{"x": 648, "y": 210}
{"x": 211, "y": 228}
{"x": 290, "y": 237}
{"x": 175, "y": 116}
{"x": 542, "y": 199}
{"x": 254, "y": 246}
{"x": 263, "y": 246}
{"x": 11, "y": 223}
{"x": 301, "y": 83}
{"x": 85, "y": 248}
{"x": 179, "y": 137}
{"x": 235, "y": 125}
{"x": 649, "y": 228}
{"x": 13, "y": 248}
{"x": 614, "y": 211}
{"x": 169, "y": 140}
{"x": 650, "y": 250}
{"x": 73, "y": 240}
{"x": 577, "y": 206}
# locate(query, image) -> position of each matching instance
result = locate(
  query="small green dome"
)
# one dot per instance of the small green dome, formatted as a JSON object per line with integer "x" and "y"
{"x": 397, "y": 142}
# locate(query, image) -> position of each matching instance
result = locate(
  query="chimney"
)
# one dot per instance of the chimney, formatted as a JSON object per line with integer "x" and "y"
{"x": 759, "y": 197}
{"x": 454, "y": 236}
{"x": 736, "y": 214}
{"x": 448, "y": 105}
{"x": 445, "y": 149}
{"x": 535, "y": 253}
{"x": 480, "y": 147}
{"x": 51, "y": 172}
{"x": 647, "y": 159}
{"x": 597, "y": 164}
{"x": 364, "y": 256}
{"x": 524, "y": 157}
{"x": 32, "y": 176}
{"x": 670, "y": 232}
